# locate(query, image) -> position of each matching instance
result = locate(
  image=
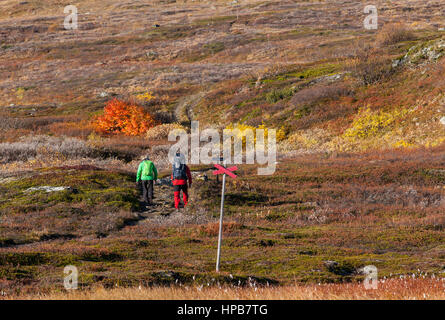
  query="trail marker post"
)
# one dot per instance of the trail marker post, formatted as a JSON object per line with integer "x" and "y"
{"x": 222, "y": 170}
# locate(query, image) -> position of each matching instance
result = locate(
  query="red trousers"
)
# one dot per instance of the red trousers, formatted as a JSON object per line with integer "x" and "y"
{"x": 177, "y": 193}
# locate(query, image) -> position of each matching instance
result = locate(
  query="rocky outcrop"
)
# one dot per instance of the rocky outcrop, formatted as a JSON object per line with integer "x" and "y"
{"x": 430, "y": 51}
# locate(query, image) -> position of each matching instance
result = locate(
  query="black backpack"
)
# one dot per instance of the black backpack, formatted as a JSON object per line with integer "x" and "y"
{"x": 179, "y": 173}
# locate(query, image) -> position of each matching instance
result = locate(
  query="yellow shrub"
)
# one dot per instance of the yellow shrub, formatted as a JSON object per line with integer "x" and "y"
{"x": 280, "y": 134}
{"x": 146, "y": 97}
{"x": 402, "y": 144}
{"x": 20, "y": 92}
{"x": 313, "y": 139}
{"x": 370, "y": 124}
{"x": 436, "y": 142}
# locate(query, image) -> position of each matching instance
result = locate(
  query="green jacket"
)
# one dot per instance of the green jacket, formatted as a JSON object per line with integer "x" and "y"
{"x": 147, "y": 171}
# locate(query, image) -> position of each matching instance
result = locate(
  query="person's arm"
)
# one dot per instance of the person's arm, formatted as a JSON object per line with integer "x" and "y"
{"x": 189, "y": 175}
{"x": 138, "y": 176}
{"x": 155, "y": 172}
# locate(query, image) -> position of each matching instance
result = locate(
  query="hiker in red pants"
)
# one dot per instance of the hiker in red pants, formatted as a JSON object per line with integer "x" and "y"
{"x": 180, "y": 175}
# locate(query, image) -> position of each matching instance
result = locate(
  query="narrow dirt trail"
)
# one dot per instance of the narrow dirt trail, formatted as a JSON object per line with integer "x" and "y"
{"x": 184, "y": 108}
{"x": 163, "y": 212}
{"x": 163, "y": 201}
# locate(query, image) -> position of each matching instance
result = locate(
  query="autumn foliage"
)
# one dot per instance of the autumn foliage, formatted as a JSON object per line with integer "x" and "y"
{"x": 123, "y": 117}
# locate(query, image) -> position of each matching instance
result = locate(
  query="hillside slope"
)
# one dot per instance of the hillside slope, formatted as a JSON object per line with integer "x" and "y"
{"x": 300, "y": 66}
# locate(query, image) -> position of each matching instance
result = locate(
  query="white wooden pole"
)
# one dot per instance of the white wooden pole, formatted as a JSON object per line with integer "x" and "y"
{"x": 221, "y": 222}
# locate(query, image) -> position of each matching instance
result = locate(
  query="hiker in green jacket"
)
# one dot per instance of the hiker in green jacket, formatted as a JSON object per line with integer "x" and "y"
{"x": 147, "y": 173}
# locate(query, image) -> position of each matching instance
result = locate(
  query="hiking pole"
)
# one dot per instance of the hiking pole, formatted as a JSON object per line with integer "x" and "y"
{"x": 221, "y": 222}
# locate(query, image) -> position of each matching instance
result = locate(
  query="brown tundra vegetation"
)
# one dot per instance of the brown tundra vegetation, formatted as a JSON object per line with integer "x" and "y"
{"x": 360, "y": 176}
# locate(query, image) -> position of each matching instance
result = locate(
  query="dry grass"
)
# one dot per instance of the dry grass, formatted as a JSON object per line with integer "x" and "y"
{"x": 394, "y": 33}
{"x": 397, "y": 289}
{"x": 40, "y": 146}
{"x": 162, "y": 131}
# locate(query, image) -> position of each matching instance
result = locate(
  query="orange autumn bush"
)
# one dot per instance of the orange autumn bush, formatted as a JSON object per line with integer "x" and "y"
{"x": 123, "y": 117}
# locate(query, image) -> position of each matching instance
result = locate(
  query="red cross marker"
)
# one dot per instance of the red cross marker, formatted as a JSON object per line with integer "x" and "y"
{"x": 225, "y": 170}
